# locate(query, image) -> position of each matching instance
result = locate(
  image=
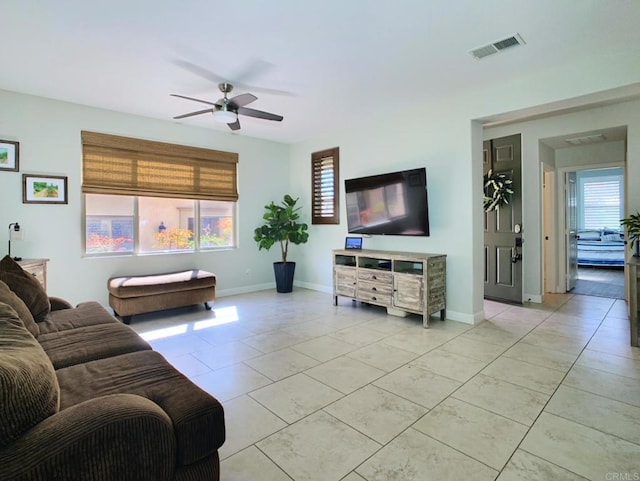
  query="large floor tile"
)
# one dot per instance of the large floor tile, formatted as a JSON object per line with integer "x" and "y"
{"x": 250, "y": 464}
{"x": 478, "y": 350}
{"x": 580, "y": 449}
{"x": 358, "y": 335}
{"x": 246, "y": 423}
{"x": 418, "y": 385}
{"x": 272, "y": 341}
{"x": 383, "y": 356}
{"x": 604, "y": 414}
{"x": 540, "y": 356}
{"x": 504, "y": 398}
{"x": 232, "y": 381}
{"x": 486, "y": 332}
{"x": 295, "y": 397}
{"x": 449, "y": 365}
{"x": 318, "y": 448}
{"x": 620, "y": 365}
{"x": 324, "y": 348}
{"x": 605, "y": 384}
{"x": 555, "y": 342}
{"x": 345, "y": 374}
{"x": 375, "y": 412}
{"x": 523, "y": 374}
{"x": 419, "y": 341}
{"x": 526, "y": 467}
{"x": 478, "y": 433}
{"x": 226, "y": 354}
{"x": 280, "y": 364}
{"x": 413, "y": 456}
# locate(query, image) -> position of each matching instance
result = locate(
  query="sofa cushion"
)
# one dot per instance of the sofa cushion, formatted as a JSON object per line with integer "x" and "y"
{"x": 26, "y": 287}
{"x": 9, "y": 297}
{"x": 29, "y": 389}
{"x": 73, "y": 346}
{"x": 84, "y": 314}
{"x": 198, "y": 417}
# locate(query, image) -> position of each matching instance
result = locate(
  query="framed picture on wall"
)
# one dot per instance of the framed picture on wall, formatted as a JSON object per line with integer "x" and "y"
{"x": 9, "y": 155}
{"x": 44, "y": 189}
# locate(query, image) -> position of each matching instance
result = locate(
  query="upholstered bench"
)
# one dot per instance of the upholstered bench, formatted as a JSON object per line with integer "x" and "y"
{"x": 133, "y": 295}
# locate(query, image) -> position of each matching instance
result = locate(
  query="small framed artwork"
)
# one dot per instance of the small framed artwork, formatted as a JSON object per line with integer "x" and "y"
{"x": 9, "y": 156}
{"x": 44, "y": 189}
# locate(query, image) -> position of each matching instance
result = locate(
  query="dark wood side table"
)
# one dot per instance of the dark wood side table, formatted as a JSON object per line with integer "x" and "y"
{"x": 634, "y": 284}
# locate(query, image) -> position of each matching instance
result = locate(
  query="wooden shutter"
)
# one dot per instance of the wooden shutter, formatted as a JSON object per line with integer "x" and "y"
{"x": 126, "y": 166}
{"x": 324, "y": 187}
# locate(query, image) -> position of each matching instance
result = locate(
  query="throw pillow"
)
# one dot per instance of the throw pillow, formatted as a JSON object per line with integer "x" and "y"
{"x": 30, "y": 392}
{"x": 9, "y": 297}
{"x": 26, "y": 287}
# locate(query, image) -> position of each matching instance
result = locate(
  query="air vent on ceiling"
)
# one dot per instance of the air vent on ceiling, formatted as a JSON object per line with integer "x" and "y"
{"x": 497, "y": 46}
{"x": 587, "y": 139}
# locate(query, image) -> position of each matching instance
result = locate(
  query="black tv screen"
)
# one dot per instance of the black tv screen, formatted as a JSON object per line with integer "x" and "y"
{"x": 391, "y": 204}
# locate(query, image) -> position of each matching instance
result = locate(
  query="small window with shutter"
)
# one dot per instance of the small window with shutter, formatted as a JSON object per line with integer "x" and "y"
{"x": 324, "y": 187}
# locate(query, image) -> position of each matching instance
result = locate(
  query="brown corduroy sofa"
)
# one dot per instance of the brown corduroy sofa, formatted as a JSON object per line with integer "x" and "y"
{"x": 83, "y": 397}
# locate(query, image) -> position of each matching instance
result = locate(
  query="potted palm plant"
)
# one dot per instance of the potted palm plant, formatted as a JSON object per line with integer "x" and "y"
{"x": 632, "y": 223}
{"x": 282, "y": 226}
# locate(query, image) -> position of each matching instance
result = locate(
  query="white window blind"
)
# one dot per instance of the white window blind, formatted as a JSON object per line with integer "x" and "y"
{"x": 602, "y": 203}
{"x": 324, "y": 188}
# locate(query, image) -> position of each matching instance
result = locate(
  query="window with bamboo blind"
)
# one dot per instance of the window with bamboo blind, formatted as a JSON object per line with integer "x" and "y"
{"x": 324, "y": 187}
{"x": 152, "y": 197}
{"x": 125, "y": 166}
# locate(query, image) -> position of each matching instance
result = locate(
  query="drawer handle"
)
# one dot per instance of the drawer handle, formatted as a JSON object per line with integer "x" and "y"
{"x": 373, "y": 298}
{"x": 374, "y": 289}
{"x": 373, "y": 277}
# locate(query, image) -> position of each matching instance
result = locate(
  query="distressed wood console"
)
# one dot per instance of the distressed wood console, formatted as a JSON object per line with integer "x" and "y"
{"x": 402, "y": 281}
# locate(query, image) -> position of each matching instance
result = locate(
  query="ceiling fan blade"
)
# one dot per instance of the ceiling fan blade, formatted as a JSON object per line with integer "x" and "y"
{"x": 235, "y": 125}
{"x": 242, "y": 100}
{"x": 259, "y": 114}
{"x": 191, "y": 114}
{"x": 200, "y": 71}
{"x": 195, "y": 100}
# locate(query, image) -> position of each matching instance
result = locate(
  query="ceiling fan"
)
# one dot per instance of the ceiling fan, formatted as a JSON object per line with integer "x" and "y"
{"x": 226, "y": 109}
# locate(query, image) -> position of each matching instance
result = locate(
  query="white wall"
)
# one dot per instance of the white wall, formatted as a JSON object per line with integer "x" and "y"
{"x": 49, "y": 136}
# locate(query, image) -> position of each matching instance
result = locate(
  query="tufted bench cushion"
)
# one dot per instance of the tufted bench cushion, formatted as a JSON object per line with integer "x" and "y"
{"x": 133, "y": 295}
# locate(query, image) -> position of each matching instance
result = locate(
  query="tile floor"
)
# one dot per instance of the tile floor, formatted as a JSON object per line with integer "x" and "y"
{"x": 317, "y": 392}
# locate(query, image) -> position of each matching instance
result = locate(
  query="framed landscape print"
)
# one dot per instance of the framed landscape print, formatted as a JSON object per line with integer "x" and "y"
{"x": 9, "y": 156}
{"x": 44, "y": 189}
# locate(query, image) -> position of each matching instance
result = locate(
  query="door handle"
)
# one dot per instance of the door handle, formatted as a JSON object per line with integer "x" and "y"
{"x": 517, "y": 256}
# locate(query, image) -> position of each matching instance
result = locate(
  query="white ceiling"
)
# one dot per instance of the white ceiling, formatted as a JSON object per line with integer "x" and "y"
{"x": 324, "y": 65}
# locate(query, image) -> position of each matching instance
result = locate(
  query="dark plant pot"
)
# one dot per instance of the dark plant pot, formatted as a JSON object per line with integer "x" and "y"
{"x": 284, "y": 275}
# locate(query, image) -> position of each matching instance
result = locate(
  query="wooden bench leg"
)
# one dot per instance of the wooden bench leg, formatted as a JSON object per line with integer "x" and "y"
{"x": 207, "y": 306}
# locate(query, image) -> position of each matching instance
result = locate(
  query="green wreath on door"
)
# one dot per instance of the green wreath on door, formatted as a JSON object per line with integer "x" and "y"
{"x": 497, "y": 190}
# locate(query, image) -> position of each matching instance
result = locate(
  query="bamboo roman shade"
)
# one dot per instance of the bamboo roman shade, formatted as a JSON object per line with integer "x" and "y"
{"x": 126, "y": 166}
{"x": 324, "y": 187}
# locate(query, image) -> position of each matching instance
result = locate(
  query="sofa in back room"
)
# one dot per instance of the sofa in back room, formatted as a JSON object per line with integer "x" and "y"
{"x": 83, "y": 397}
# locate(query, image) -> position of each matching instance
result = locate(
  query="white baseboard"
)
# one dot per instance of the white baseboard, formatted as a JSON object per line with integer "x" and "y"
{"x": 537, "y": 298}
{"x": 314, "y": 287}
{"x": 245, "y": 289}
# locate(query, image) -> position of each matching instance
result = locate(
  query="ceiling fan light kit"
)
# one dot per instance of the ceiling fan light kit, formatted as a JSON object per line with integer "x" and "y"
{"x": 225, "y": 116}
{"x": 226, "y": 110}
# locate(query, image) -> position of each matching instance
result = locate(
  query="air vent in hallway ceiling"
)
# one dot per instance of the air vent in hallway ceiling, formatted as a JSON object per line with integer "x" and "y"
{"x": 498, "y": 46}
{"x": 587, "y": 139}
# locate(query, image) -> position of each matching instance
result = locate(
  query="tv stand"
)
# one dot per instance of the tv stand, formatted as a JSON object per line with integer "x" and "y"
{"x": 400, "y": 281}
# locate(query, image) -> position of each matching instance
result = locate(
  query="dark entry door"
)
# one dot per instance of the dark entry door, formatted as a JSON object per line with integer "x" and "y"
{"x": 503, "y": 226}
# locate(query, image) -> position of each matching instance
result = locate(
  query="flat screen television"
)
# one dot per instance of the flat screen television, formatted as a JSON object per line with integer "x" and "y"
{"x": 388, "y": 204}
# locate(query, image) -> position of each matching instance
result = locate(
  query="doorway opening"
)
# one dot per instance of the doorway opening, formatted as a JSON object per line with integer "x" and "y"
{"x": 584, "y": 243}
